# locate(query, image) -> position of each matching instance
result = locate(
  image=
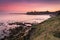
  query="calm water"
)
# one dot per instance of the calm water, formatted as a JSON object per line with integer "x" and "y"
{"x": 5, "y": 19}
{"x": 23, "y": 18}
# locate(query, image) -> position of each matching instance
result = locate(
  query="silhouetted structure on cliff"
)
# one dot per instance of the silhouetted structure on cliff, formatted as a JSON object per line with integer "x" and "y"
{"x": 44, "y": 13}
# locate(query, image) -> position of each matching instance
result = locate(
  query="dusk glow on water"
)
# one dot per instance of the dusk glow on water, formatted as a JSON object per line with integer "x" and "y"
{"x": 22, "y": 18}
{"x": 5, "y": 19}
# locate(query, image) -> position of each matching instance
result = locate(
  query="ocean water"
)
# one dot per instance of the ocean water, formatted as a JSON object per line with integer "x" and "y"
{"x": 5, "y": 19}
{"x": 22, "y": 18}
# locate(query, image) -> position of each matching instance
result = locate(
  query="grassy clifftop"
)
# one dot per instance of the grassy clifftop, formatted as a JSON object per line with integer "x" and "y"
{"x": 48, "y": 30}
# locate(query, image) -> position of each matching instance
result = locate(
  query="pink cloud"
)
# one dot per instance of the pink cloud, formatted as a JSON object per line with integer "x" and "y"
{"x": 24, "y": 7}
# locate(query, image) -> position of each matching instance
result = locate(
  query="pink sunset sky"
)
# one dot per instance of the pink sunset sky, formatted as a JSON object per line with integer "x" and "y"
{"x": 26, "y": 6}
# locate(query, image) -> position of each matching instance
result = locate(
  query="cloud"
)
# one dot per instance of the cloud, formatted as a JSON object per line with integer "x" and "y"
{"x": 28, "y": 5}
{"x": 2, "y": 10}
{"x": 14, "y": 1}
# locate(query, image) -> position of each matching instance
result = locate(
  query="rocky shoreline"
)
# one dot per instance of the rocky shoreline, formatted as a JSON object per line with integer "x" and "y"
{"x": 22, "y": 29}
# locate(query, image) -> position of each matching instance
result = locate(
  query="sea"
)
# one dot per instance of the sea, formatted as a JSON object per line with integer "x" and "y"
{"x": 9, "y": 18}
